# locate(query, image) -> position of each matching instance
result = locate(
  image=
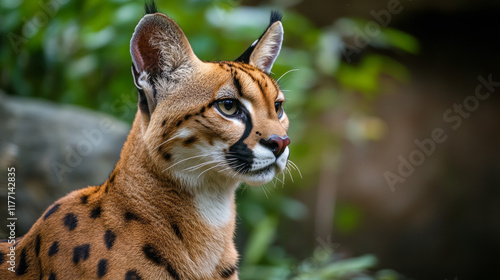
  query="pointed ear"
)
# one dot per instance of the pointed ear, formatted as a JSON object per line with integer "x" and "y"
{"x": 161, "y": 54}
{"x": 263, "y": 52}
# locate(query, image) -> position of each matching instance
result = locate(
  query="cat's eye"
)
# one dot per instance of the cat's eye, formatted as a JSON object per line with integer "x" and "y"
{"x": 228, "y": 107}
{"x": 278, "y": 106}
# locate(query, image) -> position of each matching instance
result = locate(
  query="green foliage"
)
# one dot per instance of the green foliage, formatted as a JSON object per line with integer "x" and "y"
{"x": 77, "y": 52}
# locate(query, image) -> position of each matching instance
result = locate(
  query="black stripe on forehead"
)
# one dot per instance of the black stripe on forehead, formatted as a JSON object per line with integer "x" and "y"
{"x": 237, "y": 83}
{"x": 261, "y": 81}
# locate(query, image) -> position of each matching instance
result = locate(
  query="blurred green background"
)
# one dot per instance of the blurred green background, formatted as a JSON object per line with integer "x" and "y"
{"x": 362, "y": 79}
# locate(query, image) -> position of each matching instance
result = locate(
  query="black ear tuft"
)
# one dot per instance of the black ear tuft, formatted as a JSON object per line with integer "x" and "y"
{"x": 275, "y": 16}
{"x": 150, "y": 7}
{"x": 245, "y": 57}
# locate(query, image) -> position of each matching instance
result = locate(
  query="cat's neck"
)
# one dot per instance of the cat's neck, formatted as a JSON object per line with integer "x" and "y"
{"x": 139, "y": 180}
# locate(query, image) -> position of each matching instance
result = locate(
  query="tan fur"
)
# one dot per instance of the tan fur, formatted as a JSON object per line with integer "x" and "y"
{"x": 150, "y": 219}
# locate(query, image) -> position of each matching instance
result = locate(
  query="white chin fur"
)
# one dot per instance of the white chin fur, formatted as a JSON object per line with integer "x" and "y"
{"x": 265, "y": 167}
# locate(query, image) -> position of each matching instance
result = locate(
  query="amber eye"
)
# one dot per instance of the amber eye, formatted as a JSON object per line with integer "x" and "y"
{"x": 278, "y": 106}
{"x": 228, "y": 107}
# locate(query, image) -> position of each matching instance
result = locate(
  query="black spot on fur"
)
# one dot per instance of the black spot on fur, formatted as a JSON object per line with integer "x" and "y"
{"x": 70, "y": 221}
{"x": 23, "y": 265}
{"x": 96, "y": 212}
{"x": 102, "y": 268}
{"x": 172, "y": 271}
{"x": 54, "y": 248}
{"x": 132, "y": 275}
{"x": 190, "y": 140}
{"x": 177, "y": 231}
{"x": 2, "y": 258}
{"x": 81, "y": 253}
{"x": 178, "y": 123}
{"x": 228, "y": 272}
{"x": 131, "y": 216}
{"x": 186, "y": 117}
{"x": 153, "y": 254}
{"x": 164, "y": 135}
{"x": 163, "y": 122}
{"x": 38, "y": 240}
{"x": 202, "y": 110}
{"x": 84, "y": 199}
{"x": 167, "y": 156}
{"x": 109, "y": 239}
{"x": 52, "y": 276}
{"x": 51, "y": 211}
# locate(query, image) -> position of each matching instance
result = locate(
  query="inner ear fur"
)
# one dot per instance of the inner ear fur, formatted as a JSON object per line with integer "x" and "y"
{"x": 268, "y": 48}
{"x": 264, "y": 51}
{"x": 161, "y": 54}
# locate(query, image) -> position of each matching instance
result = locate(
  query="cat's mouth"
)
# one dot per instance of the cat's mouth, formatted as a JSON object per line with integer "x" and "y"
{"x": 270, "y": 168}
{"x": 257, "y": 166}
{"x": 261, "y": 176}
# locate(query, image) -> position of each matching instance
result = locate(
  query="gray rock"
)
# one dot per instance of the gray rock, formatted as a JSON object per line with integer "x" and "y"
{"x": 54, "y": 150}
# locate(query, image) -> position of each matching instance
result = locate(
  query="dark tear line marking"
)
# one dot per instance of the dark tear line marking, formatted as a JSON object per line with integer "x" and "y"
{"x": 240, "y": 150}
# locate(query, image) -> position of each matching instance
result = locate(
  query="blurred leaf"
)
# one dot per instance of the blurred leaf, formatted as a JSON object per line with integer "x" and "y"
{"x": 260, "y": 239}
{"x": 401, "y": 40}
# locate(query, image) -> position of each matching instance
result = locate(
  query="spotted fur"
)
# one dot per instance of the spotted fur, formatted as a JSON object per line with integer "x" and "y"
{"x": 167, "y": 210}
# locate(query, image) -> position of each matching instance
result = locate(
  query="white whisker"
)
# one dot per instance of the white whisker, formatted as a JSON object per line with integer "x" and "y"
{"x": 198, "y": 156}
{"x": 292, "y": 164}
{"x": 168, "y": 140}
{"x": 291, "y": 70}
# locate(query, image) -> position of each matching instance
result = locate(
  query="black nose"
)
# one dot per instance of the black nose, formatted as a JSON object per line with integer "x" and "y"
{"x": 276, "y": 144}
